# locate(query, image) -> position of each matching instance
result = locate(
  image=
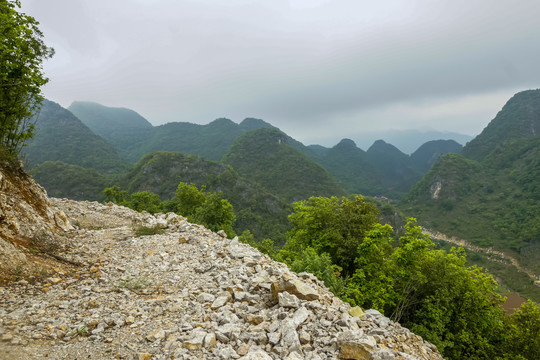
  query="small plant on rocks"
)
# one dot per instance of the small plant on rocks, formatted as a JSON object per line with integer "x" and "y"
{"x": 143, "y": 230}
{"x": 137, "y": 283}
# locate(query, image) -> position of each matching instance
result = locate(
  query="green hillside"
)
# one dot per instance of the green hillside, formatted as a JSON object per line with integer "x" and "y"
{"x": 63, "y": 180}
{"x": 350, "y": 166}
{"x": 397, "y": 171}
{"x": 518, "y": 119}
{"x": 133, "y": 136}
{"x": 124, "y": 128}
{"x": 256, "y": 209}
{"x": 426, "y": 155}
{"x": 265, "y": 157}
{"x": 489, "y": 195}
{"x": 210, "y": 141}
{"x": 60, "y": 136}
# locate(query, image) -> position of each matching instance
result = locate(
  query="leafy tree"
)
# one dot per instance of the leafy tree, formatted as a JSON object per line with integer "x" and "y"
{"x": 522, "y": 333}
{"x": 116, "y": 195}
{"x": 215, "y": 213}
{"x": 265, "y": 246}
{"x": 145, "y": 200}
{"x": 208, "y": 209}
{"x": 22, "y": 52}
{"x": 429, "y": 291}
{"x": 188, "y": 198}
{"x": 371, "y": 285}
{"x": 321, "y": 266}
{"x": 333, "y": 226}
{"x": 138, "y": 201}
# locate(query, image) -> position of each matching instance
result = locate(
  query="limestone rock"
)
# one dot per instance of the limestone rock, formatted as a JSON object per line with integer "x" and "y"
{"x": 221, "y": 300}
{"x": 256, "y": 355}
{"x": 354, "y": 345}
{"x": 287, "y": 300}
{"x": 196, "y": 340}
{"x": 356, "y": 311}
{"x": 289, "y": 337}
{"x": 295, "y": 287}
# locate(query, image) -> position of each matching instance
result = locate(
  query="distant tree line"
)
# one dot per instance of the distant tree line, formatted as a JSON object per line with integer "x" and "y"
{"x": 200, "y": 207}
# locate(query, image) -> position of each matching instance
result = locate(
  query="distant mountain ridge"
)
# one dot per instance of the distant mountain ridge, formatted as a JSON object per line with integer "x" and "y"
{"x": 61, "y": 136}
{"x": 266, "y": 157}
{"x": 382, "y": 170}
{"x": 134, "y": 136}
{"x": 408, "y": 141}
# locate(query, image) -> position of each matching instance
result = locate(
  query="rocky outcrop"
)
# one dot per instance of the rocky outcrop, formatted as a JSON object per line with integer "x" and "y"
{"x": 27, "y": 221}
{"x": 186, "y": 294}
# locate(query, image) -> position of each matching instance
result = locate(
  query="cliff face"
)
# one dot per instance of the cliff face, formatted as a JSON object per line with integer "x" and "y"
{"x": 187, "y": 293}
{"x": 27, "y": 220}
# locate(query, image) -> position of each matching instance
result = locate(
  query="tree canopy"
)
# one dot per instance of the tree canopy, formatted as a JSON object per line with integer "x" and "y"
{"x": 333, "y": 226}
{"x": 22, "y": 52}
{"x": 432, "y": 292}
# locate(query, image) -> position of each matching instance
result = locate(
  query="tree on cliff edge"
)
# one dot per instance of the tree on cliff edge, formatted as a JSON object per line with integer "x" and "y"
{"x": 22, "y": 52}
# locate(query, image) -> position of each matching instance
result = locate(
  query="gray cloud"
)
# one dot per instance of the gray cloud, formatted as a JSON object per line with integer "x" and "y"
{"x": 341, "y": 67}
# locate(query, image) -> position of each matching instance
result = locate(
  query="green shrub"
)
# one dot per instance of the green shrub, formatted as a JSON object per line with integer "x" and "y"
{"x": 143, "y": 230}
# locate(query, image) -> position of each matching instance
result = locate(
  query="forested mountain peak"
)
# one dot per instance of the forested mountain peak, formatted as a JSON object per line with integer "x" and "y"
{"x": 265, "y": 136}
{"x": 253, "y": 123}
{"x": 346, "y": 143}
{"x": 222, "y": 122}
{"x": 61, "y": 136}
{"x": 381, "y": 146}
{"x": 396, "y": 168}
{"x": 426, "y": 154}
{"x": 518, "y": 119}
{"x": 123, "y": 128}
{"x": 100, "y": 117}
{"x": 266, "y": 156}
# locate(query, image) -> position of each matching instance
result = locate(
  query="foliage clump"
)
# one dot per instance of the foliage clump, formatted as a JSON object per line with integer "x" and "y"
{"x": 22, "y": 52}
{"x": 430, "y": 291}
{"x": 200, "y": 207}
{"x": 144, "y": 230}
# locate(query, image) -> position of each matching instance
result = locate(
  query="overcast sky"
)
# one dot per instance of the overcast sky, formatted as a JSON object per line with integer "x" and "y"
{"x": 320, "y": 70}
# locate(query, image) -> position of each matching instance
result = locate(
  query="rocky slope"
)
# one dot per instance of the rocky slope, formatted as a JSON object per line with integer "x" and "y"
{"x": 187, "y": 293}
{"x": 27, "y": 220}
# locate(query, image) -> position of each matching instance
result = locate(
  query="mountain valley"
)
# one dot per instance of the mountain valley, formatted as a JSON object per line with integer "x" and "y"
{"x": 261, "y": 171}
